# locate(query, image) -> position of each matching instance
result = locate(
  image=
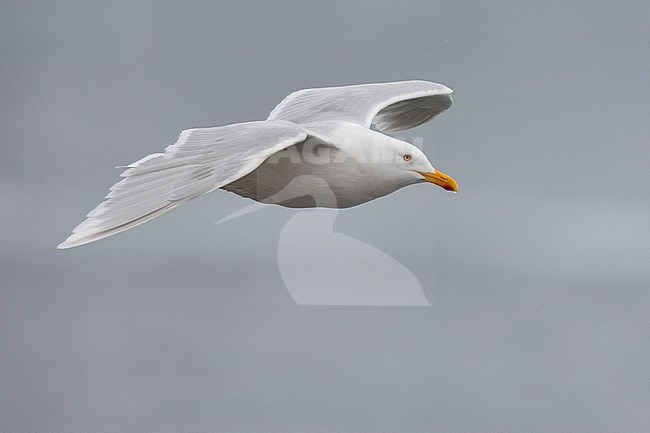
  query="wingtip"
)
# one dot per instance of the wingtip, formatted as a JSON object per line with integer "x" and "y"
{"x": 77, "y": 240}
{"x": 64, "y": 245}
{"x": 74, "y": 240}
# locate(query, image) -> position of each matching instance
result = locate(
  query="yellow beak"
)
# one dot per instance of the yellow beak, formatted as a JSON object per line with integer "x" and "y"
{"x": 442, "y": 180}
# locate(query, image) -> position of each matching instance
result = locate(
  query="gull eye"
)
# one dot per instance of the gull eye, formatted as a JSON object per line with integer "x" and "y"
{"x": 407, "y": 157}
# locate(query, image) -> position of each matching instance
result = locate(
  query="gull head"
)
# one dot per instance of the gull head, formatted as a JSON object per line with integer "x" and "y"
{"x": 388, "y": 161}
{"x": 409, "y": 165}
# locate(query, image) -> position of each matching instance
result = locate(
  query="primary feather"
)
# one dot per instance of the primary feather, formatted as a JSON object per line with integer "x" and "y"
{"x": 200, "y": 161}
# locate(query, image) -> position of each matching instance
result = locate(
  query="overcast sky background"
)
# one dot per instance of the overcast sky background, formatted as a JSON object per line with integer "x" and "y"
{"x": 537, "y": 271}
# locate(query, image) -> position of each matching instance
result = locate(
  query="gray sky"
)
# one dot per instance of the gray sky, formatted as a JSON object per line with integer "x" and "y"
{"x": 537, "y": 271}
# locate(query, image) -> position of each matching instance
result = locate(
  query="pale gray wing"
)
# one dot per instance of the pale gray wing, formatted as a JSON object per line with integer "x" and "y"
{"x": 388, "y": 106}
{"x": 201, "y": 161}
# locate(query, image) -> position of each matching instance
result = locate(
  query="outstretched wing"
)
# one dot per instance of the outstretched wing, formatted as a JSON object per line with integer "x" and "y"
{"x": 388, "y": 106}
{"x": 201, "y": 161}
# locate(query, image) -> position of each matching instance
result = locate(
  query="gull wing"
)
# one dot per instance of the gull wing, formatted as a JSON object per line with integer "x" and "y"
{"x": 200, "y": 161}
{"x": 389, "y": 106}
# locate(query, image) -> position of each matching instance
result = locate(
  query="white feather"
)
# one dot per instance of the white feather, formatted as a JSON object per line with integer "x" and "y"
{"x": 201, "y": 161}
{"x": 388, "y": 106}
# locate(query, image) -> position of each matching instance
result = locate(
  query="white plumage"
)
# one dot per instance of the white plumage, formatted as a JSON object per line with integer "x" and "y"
{"x": 311, "y": 136}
